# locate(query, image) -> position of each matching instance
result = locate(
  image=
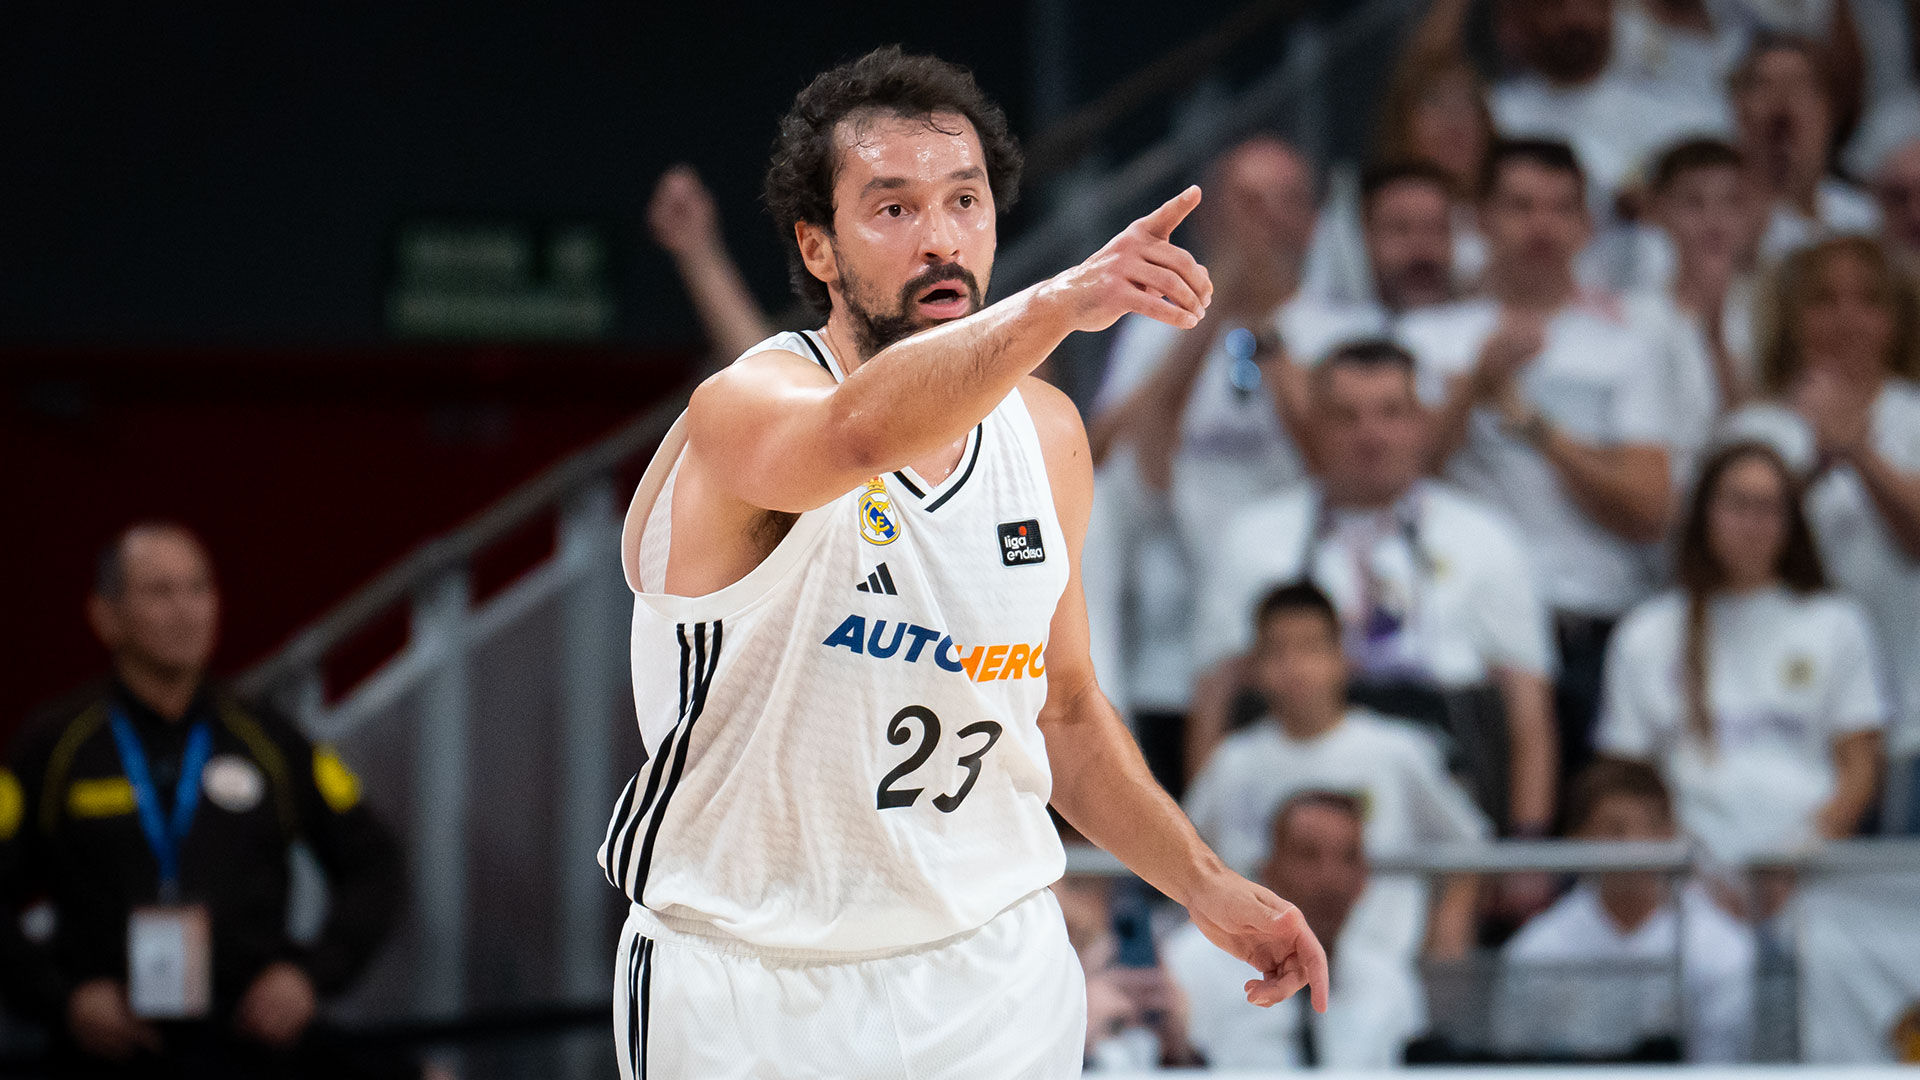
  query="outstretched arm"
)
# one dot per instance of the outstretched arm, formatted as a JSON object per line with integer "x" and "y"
{"x": 685, "y": 223}
{"x": 1102, "y": 786}
{"x": 774, "y": 432}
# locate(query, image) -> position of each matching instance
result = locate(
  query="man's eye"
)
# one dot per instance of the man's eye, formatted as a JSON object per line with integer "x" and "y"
{"x": 894, "y": 210}
{"x": 966, "y": 202}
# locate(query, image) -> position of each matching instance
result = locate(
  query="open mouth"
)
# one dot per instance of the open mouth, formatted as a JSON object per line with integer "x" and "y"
{"x": 944, "y": 302}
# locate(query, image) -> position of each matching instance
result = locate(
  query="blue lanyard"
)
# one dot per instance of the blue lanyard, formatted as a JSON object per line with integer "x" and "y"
{"x": 163, "y": 836}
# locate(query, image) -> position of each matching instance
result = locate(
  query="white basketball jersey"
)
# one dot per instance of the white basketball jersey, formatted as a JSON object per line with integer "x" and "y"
{"x": 844, "y": 752}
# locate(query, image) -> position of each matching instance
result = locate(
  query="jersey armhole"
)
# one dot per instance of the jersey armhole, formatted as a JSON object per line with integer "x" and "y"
{"x": 641, "y": 507}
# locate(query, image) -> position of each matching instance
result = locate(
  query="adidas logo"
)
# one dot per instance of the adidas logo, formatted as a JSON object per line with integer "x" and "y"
{"x": 880, "y": 581}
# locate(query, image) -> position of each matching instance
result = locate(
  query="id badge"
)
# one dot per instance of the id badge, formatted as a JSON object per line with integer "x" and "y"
{"x": 170, "y": 962}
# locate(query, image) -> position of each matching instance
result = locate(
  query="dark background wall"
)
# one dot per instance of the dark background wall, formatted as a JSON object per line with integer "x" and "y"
{"x": 197, "y": 205}
{"x": 231, "y": 174}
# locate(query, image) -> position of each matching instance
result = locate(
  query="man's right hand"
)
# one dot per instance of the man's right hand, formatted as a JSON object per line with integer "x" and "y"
{"x": 104, "y": 1025}
{"x": 1515, "y": 342}
{"x": 1140, "y": 271}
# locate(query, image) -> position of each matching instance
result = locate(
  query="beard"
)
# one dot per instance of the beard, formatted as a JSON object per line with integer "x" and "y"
{"x": 878, "y": 328}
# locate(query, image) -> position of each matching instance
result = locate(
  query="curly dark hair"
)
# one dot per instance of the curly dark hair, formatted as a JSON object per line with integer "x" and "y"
{"x": 806, "y": 160}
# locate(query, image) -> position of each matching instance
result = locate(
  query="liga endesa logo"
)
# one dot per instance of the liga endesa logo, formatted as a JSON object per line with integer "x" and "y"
{"x": 909, "y": 644}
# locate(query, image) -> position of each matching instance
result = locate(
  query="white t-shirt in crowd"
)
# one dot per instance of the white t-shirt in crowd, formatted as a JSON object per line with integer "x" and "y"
{"x": 1597, "y": 379}
{"x": 1139, "y": 600}
{"x": 1393, "y": 765}
{"x": 1616, "y": 124}
{"x": 1573, "y": 982}
{"x": 1374, "y": 1010}
{"x": 1455, "y": 570}
{"x": 1839, "y": 209}
{"x": 1787, "y": 675}
{"x": 1682, "y": 62}
{"x": 1687, "y": 365}
{"x": 1860, "y": 552}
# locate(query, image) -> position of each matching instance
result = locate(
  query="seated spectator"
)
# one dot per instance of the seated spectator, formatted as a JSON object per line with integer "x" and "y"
{"x": 1703, "y": 203}
{"x": 1840, "y": 369}
{"x": 1896, "y": 188}
{"x": 1407, "y": 212}
{"x": 686, "y": 225}
{"x": 1558, "y": 414}
{"x": 158, "y": 815}
{"x": 1433, "y": 119}
{"x": 1312, "y": 740}
{"x": 1783, "y": 102}
{"x": 1137, "y": 1015}
{"x": 1592, "y": 976}
{"x": 1375, "y": 1008}
{"x": 1192, "y": 408}
{"x": 1442, "y": 620}
{"x": 1752, "y": 687}
{"x": 1564, "y": 85}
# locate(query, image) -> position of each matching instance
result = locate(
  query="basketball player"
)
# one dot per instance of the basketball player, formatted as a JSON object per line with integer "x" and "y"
{"x": 860, "y": 645}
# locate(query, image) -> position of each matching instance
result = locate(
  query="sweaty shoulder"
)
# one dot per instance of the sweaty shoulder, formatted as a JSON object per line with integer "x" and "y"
{"x": 762, "y": 371}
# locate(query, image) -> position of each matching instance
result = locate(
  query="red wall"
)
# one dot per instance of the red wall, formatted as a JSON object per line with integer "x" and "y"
{"x": 306, "y": 472}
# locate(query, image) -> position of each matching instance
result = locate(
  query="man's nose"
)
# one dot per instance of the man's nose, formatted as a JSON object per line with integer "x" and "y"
{"x": 941, "y": 240}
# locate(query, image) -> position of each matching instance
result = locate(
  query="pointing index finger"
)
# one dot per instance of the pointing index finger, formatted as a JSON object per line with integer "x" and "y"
{"x": 1171, "y": 213}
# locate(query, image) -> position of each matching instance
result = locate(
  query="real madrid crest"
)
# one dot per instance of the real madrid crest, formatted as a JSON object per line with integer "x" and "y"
{"x": 879, "y": 521}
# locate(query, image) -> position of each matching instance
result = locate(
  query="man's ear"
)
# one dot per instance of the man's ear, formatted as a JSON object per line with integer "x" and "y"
{"x": 816, "y": 251}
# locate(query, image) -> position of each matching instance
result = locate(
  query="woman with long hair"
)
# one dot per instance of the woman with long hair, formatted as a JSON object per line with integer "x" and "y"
{"x": 1752, "y": 686}
{"x": 1839, "y": 361}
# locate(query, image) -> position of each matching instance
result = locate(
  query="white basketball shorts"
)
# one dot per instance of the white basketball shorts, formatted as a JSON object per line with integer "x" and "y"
{"x": 1006, "y": 1001}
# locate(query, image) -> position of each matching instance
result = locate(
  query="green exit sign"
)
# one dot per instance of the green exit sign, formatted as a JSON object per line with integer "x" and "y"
{"x": 501, "y": 281}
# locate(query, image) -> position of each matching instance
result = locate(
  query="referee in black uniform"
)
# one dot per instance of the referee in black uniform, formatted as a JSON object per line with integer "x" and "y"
{"x": 153, "y": 816}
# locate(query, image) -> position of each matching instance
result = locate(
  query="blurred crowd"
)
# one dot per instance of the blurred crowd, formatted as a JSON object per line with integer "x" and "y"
{"x": 1555, "y": 474}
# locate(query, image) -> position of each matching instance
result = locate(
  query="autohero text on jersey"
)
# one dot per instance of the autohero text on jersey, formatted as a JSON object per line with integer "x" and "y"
{"x": 909, "y": 643}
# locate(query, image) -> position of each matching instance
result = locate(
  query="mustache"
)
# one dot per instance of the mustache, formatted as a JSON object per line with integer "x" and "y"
{"x": 936, "y": 274}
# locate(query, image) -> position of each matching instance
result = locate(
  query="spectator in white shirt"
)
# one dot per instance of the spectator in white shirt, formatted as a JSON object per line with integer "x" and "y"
{"x": 1840, "y": 369}
{"x": 1896, "y": 187}
{"x": 1752, "y": 687}
{"x": 1407, "y": 210}
{"x": 1703, "y": 201}
{"x": 1557, "y": 415}
{"x": 1442, "y": 619}
{"x": 1783, "y": 101}
{"x": 1592, "y": 976}
{"x": 1313, "y": 740}
{"x": 1433, "y": 119}
{"x": 1376, "y": 1006}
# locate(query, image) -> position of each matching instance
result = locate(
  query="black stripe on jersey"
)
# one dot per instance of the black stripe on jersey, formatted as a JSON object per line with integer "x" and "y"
{"x": 615, "y": 824}
{"x": 646, "y": 1005}
{"x": 886, "y": 580}
{"x": 706, "y": 659}
{"x": 636, "y": 952}
{"x": 979, "y": 436}
{"x": 909, "y": 484}
{"x": 817, "y": 354}
{"x": 630, "y": 827}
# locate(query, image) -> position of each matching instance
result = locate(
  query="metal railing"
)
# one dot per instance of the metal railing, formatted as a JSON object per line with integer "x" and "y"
{"x": 427, "y": 769}
{"x": 1776, "y": 997}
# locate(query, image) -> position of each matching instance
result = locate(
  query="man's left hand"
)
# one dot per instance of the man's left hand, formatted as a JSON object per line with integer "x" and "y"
{"x": 1267, "y": 932}
{"x": 279, "y": 1005}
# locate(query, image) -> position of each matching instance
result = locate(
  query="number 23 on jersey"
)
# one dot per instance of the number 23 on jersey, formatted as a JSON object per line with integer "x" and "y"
{"x": 899, "y": 733}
